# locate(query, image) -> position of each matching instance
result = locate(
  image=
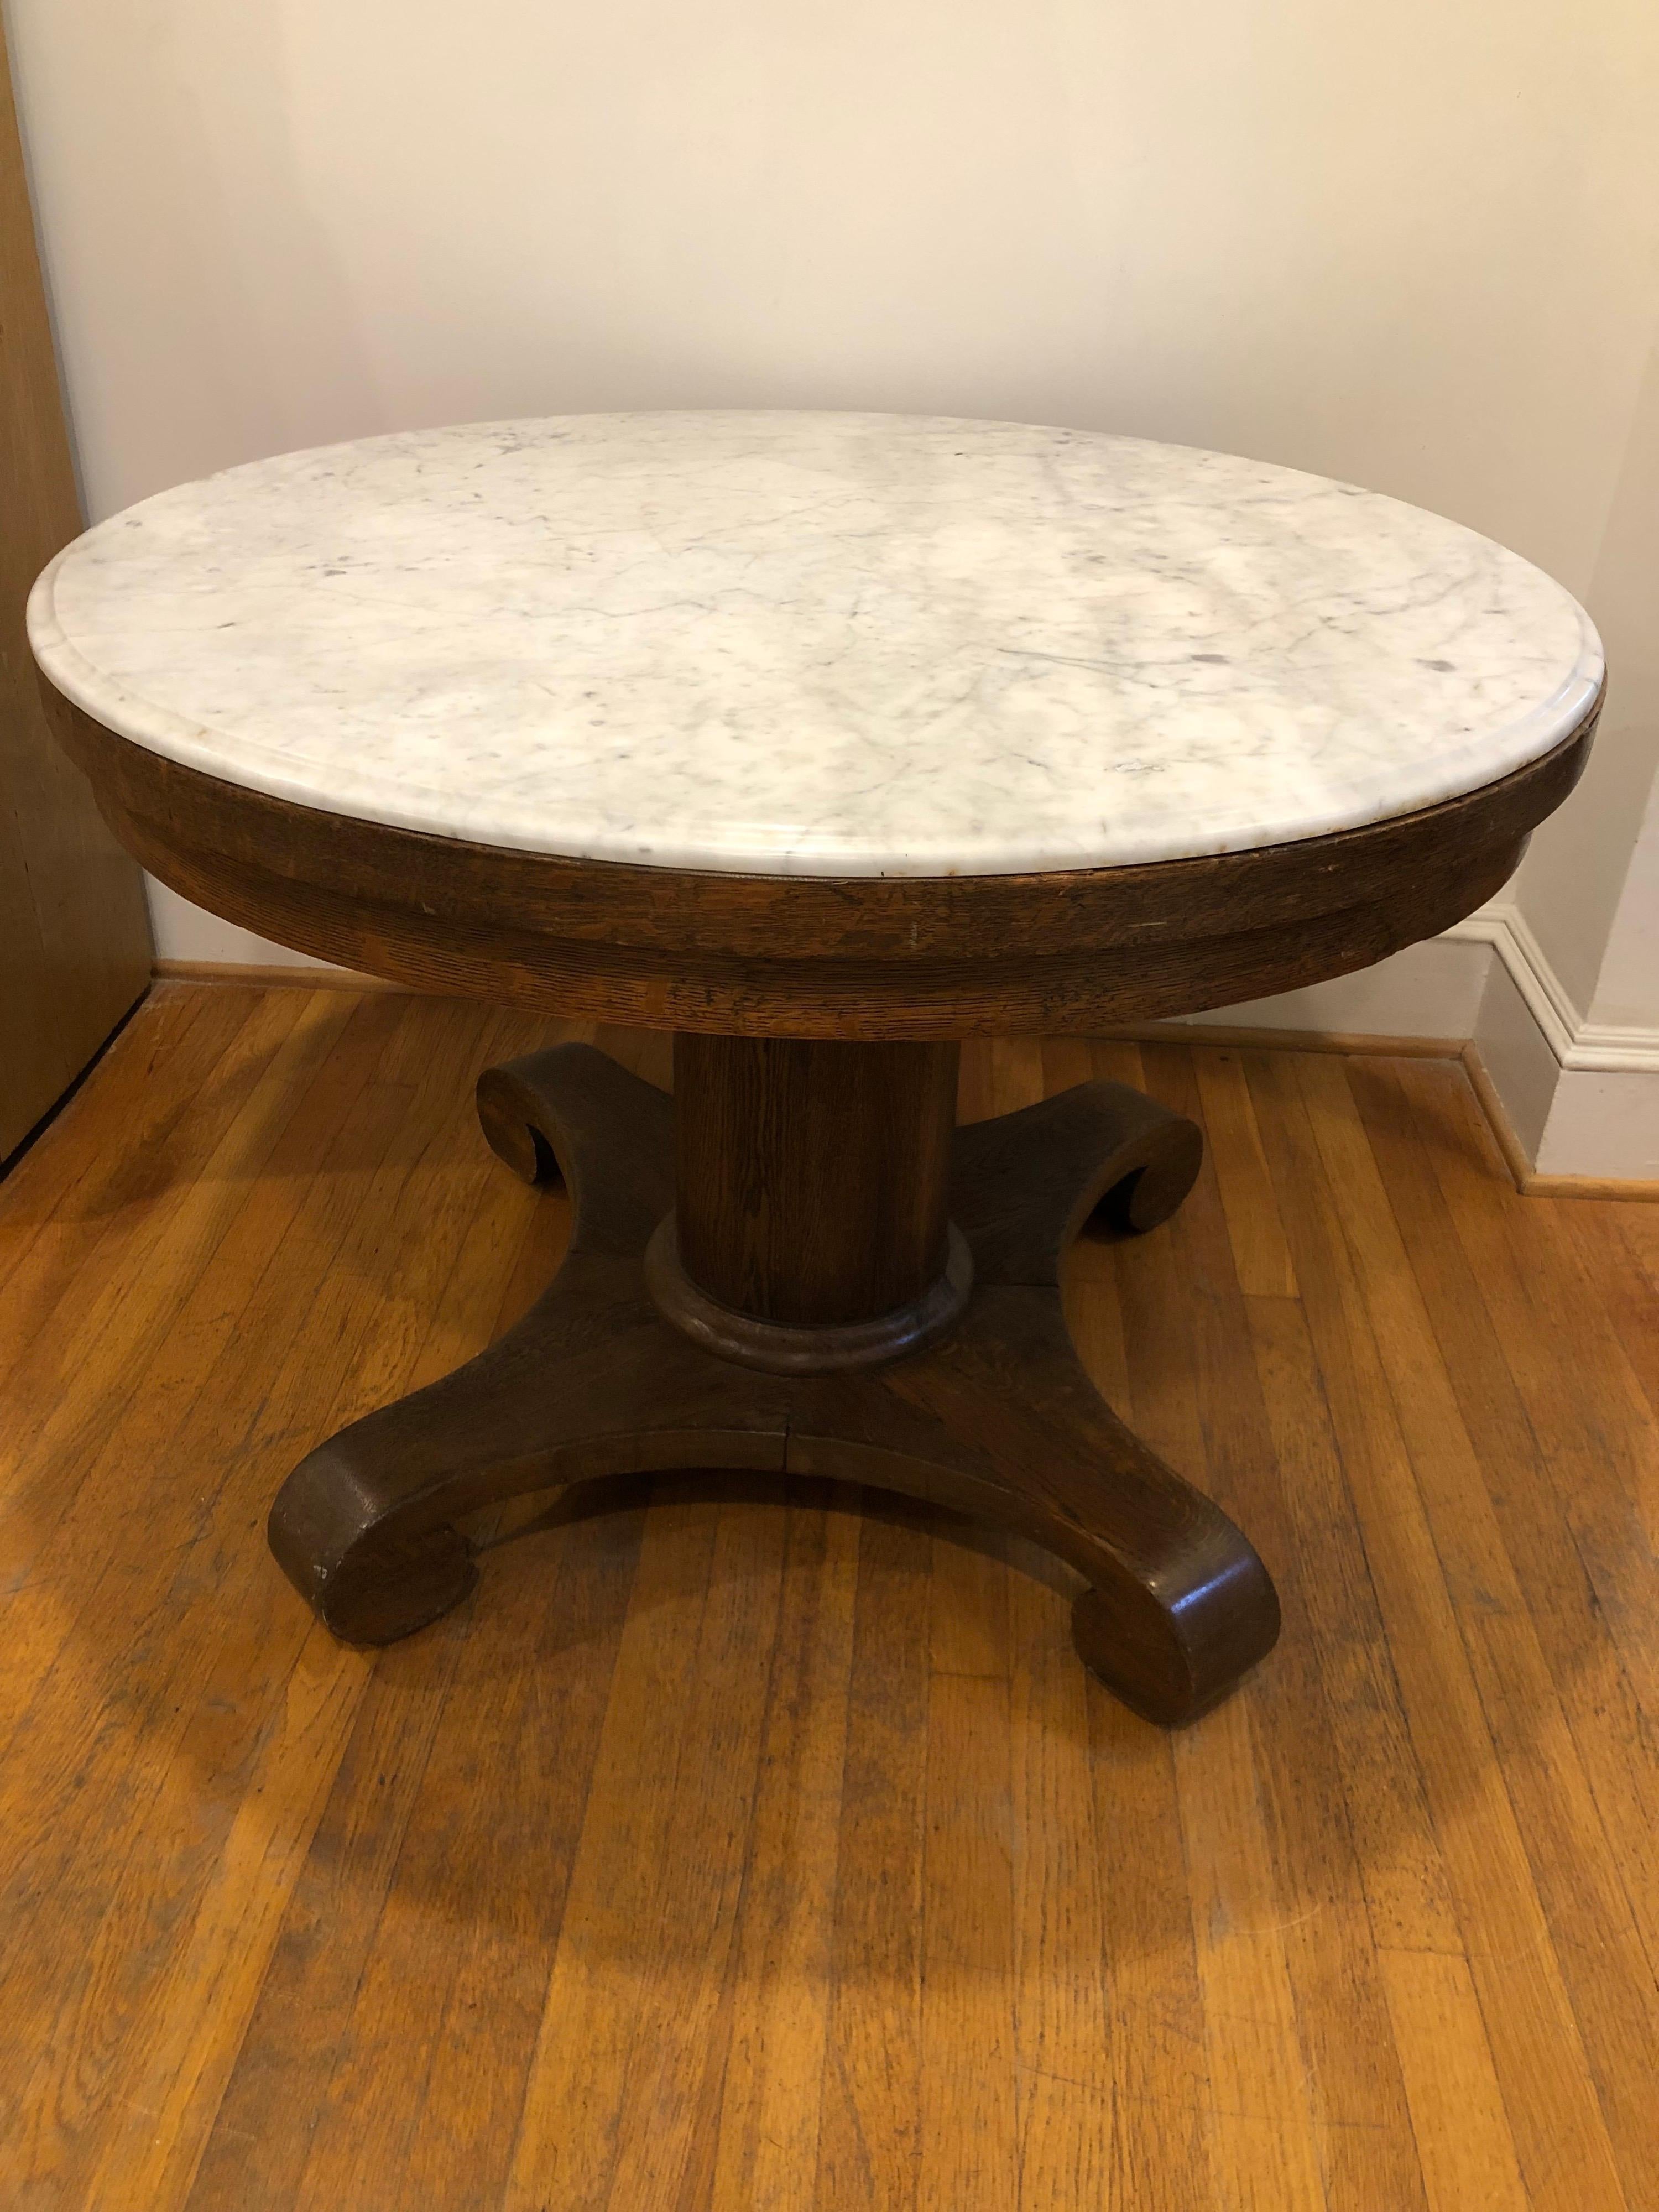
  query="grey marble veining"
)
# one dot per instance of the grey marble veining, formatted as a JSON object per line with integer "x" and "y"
{"x": 815, "y": 644}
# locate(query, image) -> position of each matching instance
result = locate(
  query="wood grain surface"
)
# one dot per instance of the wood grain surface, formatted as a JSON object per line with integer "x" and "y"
{"x": 868, "y": 956}
{"x": 752, "y": 1851}
{"x": 812, "y": 1181}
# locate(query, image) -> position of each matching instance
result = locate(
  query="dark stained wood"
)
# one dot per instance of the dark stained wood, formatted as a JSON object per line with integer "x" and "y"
{"x": 73, "y": 927}
{"x": 808, "y": 1347}
{"x": 999, "y": 1421}
{"x": 860, "y": 957}
{"x": 813, "y": 1180}
{"x": 811, "y": 1226}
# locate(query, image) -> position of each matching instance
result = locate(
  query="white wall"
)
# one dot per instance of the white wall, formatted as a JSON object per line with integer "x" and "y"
{"x": 1573, "y": 879}
{"x": 1411, "y": 244}
{"x": 1629, "y": 982}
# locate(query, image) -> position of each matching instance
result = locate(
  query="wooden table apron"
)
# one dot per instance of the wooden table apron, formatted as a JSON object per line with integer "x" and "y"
{"x": 797, "y": 1263}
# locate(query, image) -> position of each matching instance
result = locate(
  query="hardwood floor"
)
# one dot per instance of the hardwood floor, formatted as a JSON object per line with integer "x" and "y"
{"x": 735, "y": 1853}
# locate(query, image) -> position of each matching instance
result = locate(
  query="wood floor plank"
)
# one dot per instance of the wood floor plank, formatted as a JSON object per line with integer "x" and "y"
{"x": 759, "y": 2145}
{"x": 1586, "y": 1407}
{"x": 107, "y": 1323}
{"x": 1407, "y": 1891}
{"x": 283, "y": 2069}
{"x": 237, "y": 1634}
{"x": 232, "y": 1325}
{"x": 1065, "y": 1061}
{"x": 68, "y": 1692}
{"x": 70, "y": 1527}
{"x": 1336, "y": 2031}
{"x": 62, "y": 1194}
{"x": 211, "y": 1979}
{"x": 967, "y": 2113}
{"x": 1617, "y": 1258}
{"x": 869, "y": 2126}
{"x": 677, "y": 2067}
{"x": 1286, "y": 1472}
{"x": 1261, "y": 1256}
{"x": 1263, "y": 2143}
{"x": 1462, "y": 2129}
{"x": 741, "y": 1848}
{"x": 458, "y": 2019}
{"x": 460, "y": 2149}
{"x": 1159, "y": 2154}
{"x": 647, "y": 1923}
{"x": 1264, "y": 2146}
{"x": 289, "y": 2056}
{"x": 1576, "y": 1864}
{"x": 1063, "y": 2012}
{"x": 121, "y": 1206}
{"x": 1529, "y": 1368}
{"x": 1159, "y": 2151}
{"x": 1560, "y": 2136}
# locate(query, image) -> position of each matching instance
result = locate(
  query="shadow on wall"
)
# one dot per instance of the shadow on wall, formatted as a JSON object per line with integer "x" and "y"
{"x": 1591, "y": 896}
{"x": 205, "y": 268}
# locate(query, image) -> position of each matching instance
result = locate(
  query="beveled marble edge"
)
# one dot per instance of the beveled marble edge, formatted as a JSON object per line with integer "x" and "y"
{"x": 173, "y": 738}
{"x": 324, "y": 779}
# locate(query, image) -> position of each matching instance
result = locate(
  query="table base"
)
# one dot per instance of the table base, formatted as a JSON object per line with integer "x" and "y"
{"x": 986, "y": 1409}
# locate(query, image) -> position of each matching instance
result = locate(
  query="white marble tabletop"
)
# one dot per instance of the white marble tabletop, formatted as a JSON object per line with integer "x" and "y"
{"x": 815, "y": 644}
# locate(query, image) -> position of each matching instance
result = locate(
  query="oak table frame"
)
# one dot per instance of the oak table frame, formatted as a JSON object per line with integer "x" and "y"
{"x": 797, "y": 1263}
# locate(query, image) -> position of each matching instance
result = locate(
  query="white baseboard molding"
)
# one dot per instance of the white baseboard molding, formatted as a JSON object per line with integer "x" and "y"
{"x": 1575, "y": 1105}
{"x": 1576, "y": 1043}
{"x": 1530, "y": 1181}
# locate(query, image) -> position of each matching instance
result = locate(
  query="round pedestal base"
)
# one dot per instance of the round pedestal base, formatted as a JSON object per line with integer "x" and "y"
{"x": 994, "y": 1417}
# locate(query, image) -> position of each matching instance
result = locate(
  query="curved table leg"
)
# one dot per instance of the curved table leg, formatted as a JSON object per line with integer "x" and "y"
{"x": 1008, "y": 1425}
{"x": 591, "y": 1381}
{"x": 1179, "y": 1605}
{"x": 1000, "y": 1421}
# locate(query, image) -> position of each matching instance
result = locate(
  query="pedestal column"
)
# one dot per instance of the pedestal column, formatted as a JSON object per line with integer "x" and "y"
{"x": 812, "y": 1213}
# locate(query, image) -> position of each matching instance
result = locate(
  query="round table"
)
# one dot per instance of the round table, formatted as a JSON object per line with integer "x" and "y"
{"x": 823, "y": 741}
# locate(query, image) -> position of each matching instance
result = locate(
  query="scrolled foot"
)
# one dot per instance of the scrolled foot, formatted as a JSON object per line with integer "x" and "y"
{"x": 363, "y": 1527}
{"x": 366, "y": 1585}
{"x": 1171, "y": 1663}
{"x": 1025, "y": 1183}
